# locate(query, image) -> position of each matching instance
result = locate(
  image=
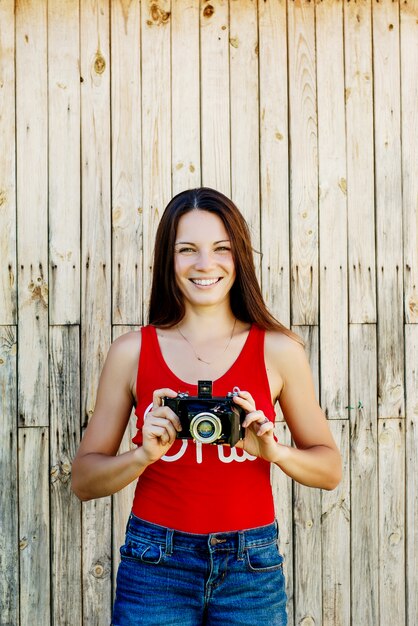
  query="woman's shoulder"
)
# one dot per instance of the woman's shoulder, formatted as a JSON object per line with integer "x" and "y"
{"x": 282, "y": 349}
{"x": 126, "y": 347}
{"x": 123, "y": 356}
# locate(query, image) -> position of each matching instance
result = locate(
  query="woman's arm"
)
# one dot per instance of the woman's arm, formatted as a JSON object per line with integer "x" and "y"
{"x": 97, "y": 471}
{"x": 315, "y": 461}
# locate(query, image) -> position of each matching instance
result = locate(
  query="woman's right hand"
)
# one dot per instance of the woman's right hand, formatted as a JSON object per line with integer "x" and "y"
{"x": 160, "y": 427}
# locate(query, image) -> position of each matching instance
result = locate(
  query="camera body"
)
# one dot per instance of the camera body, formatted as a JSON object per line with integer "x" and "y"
{"x": 207, "y": 419}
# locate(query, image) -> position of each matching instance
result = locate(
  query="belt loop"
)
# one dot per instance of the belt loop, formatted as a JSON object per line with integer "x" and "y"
{"x": 241, "y": 545}
{"x": 169, "y": 542}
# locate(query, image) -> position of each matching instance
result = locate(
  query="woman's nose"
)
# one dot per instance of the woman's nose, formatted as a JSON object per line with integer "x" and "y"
{"x": 204, "y": 260}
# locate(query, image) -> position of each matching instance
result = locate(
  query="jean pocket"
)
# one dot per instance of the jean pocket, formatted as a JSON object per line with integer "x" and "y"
{"x": 137, "y": 550}
{"x": 265, "y": 558}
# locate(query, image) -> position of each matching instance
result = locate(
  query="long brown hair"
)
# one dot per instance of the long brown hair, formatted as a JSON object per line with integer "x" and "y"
{"x": 166, "y": 306}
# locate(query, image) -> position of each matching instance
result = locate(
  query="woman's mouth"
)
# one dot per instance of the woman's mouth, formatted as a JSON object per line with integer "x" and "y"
{"x": 205, "y": 282}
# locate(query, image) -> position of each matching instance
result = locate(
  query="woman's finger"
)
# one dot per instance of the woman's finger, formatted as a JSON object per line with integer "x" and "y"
{"x": 166, "y": 413}
{"x": 254, "y": 416}
{"x": 159, "y": 394}
{"x": 262, "y": 422}
{"x": 162, "y": 429}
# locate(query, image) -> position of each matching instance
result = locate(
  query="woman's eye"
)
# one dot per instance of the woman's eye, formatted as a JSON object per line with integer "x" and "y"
{"x": 223, "y": 249}
{"x": 186, "y": 250}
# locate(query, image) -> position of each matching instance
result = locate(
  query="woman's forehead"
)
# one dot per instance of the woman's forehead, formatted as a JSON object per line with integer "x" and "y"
{"x": 201, "y": 225}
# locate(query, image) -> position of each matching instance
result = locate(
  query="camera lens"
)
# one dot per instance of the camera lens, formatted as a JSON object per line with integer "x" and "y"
{"x": 205, "y": 427}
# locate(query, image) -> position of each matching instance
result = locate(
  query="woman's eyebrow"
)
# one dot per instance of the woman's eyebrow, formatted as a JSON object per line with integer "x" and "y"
{"x": 191, "y": 243}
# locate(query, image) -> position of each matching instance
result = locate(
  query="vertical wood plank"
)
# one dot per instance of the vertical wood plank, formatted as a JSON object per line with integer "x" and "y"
{"x": 32, "y": 203}
{"x": 185, "y": 93}
{"x": 156, "y": 124}
{"x": 335, "y": 521}
{"x": 283, "y": 503}
{"x": 303, "y": 162}
{"x": 409, "y": 116}
{"x": 214, "y": 96}
{"x": 307, "y": 522}
{"x": 364, "y": 478}
{"x": 360, "y": 161}
{"x": 65, "y": 507}
{"x": 411, "y": 368}
{"x": 64, "y": 161}
{"x": 245, "y": 159}
{"x": 122, "y": 500}
{"x": 332, "y": 209}
{"x": 34, "y": 526}
{"x": 392, "y": 521}
{"x": 96, "y": 278}
{"x": 274, "y": 155}
{"x": 9, "y": 578}
{"x": 126, "y": 162}
{"x": 7, "y": 165}
{"x": 388, "y": 180}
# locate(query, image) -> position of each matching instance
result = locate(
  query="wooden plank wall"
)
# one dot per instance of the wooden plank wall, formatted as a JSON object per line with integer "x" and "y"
{"x": 305, "y": 112}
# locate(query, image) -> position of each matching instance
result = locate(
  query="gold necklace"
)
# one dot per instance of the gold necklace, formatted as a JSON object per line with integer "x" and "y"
{"x": 199, "y": 358}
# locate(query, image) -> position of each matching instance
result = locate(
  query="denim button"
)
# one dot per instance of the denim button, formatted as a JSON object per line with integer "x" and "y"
{"x": 214, "y": 541}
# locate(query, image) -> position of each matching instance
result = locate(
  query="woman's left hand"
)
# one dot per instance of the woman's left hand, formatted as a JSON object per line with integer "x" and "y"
{"x": 259, "y": 430}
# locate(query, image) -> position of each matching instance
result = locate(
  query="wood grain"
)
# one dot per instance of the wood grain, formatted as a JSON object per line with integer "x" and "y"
{"x": 64, "y": 162}
{"x": 409, "y": 129}
{"x": 388, "y": 185}
{"x": 214, "y": 94}
{"x": 360, "y": 161}
{"x": 127, "y": 206}
{"x": 303, "y": 162}
{"x": 9, "y": 566}
{"x": 332, "y": 179}
{"x": 243, "y": 64}
{"x": 392, "y": 599}
{"x": 64, "y": 342}
{"x": 8, "y": 313}
{"x": 364, "y": 475}
{"x": 274, "y": 155}
{"x": 185, "y": 95}
{"x": 32, "y": 211}
{"x": 34, "y": 526}
{"x": 411, "y": 368}
{"x": 96, "y": 284}
{"x": 156, "y": 126}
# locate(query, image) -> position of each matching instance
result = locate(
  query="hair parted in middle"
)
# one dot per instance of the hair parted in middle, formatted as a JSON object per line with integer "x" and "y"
{"x": 166, "y": 307}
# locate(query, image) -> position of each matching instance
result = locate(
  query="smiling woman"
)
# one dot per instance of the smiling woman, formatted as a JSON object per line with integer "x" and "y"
{"x": 211, "y": 346}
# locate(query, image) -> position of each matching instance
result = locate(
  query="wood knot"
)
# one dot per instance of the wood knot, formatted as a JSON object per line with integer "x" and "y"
{"x": 395, "y": 538}
{"x": 39, "y": 291}
{"x": 158, "y": 15}
{"x": 208, "y": 11}
{"x": 99, "y": 63}
{"x": 23, "y": 543}
{"x": 100, "y": 569}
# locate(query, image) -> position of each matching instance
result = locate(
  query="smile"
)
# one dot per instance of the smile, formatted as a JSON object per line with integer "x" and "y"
{"x": 205, "y": 282}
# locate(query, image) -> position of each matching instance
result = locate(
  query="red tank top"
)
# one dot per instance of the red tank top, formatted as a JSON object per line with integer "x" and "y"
{"x": 204, "y": 488}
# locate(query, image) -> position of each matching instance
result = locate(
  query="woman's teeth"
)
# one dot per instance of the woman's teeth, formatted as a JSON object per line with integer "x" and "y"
{"x": 204, "y": 281}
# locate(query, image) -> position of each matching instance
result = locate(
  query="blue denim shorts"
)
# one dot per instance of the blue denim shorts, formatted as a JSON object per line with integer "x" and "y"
{"x": 172, "y": 578}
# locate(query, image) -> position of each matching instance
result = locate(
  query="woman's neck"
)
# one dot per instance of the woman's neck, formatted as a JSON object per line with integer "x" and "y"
{"x": 207, "y": 325}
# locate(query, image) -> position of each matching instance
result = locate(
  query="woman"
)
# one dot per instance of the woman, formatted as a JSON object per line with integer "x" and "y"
{"x": 201, "y": 541}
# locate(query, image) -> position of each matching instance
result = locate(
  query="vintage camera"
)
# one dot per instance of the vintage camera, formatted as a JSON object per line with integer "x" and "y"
{"x": 207, "y": 419}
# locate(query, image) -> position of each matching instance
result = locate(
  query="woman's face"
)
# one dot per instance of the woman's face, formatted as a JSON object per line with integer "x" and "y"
{"x": 203, "y": 263}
